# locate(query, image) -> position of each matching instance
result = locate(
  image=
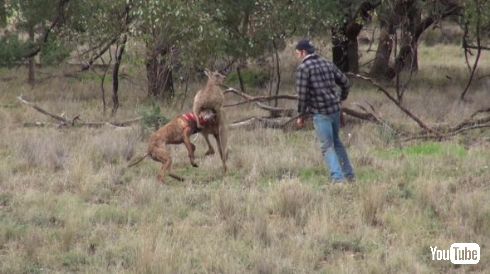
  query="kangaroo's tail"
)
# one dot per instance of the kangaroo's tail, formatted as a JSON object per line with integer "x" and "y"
{"x": 223, "y": 134}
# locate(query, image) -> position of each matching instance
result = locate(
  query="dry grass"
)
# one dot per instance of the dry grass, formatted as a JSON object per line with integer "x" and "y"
{"x": 68, "y": 205}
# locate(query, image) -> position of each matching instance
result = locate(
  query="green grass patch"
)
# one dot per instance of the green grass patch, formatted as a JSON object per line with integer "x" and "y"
{"x": 73, "y": 260}
{"x": 316, "y": 176}
{"x": 368, "y": 174}
{"x": 10, "y": 230}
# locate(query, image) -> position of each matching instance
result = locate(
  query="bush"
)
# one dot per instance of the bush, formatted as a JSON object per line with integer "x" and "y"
{"x": 54, "y": 52}
{"x": 11, "y": 50}
{"x": 153, "y": 118}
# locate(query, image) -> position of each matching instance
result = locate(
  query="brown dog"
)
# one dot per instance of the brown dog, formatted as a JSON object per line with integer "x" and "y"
{"x": 178, "y": 131}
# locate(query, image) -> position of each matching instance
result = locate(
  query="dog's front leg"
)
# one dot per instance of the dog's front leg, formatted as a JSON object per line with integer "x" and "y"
{"x": 190, "y": 146}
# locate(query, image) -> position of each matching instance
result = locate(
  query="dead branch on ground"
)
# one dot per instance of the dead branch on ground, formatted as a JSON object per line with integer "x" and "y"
{"x": 280, "y": 117}
{"x": 74, "y": 122}
{"x": 419, "y": 122}
{"x": 438, "y": 132}
{"x": 287, "y": 111}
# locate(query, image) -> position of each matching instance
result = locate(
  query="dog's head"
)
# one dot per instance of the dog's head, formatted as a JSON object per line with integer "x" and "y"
{"x": 208, "y": 116}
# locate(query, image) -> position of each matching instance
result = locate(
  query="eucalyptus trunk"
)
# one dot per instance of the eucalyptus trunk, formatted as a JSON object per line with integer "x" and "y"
{"x": 159, "y": 74}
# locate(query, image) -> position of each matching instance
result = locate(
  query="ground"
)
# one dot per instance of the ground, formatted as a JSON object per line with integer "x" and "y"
{"x": 67, "y": 203}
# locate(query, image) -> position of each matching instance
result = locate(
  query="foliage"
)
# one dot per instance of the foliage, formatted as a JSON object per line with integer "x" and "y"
{"x": 54, "y": 52}
{"x": 251, "y": 77}
{"x": 93, "y": 24}
{"x": 251, "y": 26}
{"x": 178, "y": 26}
{"x": 3, "y": 13}
{"x": 32, "y": 14}
{"x": 477, "y": 12}
{"x": 11, "y": 50}
{"x": 25, "y": 17}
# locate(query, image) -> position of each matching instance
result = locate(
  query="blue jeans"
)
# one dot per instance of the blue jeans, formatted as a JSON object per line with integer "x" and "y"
{"x": 334, "y": 154}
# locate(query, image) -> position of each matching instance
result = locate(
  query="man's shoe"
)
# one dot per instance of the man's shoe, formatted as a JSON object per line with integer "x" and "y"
{"x": 351, "y": 179}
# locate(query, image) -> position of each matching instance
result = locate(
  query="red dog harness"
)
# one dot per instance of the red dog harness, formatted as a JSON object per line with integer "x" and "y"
{"x": 191, "y": 118}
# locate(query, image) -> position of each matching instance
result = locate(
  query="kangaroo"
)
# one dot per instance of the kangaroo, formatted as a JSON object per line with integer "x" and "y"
{"x": 212, "y": 97}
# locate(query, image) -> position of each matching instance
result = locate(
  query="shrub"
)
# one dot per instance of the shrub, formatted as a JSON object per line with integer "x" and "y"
{"x": 153, "y": 118}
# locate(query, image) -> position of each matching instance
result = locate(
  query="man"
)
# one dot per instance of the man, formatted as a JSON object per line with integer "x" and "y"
{"x": 316, "y": 81}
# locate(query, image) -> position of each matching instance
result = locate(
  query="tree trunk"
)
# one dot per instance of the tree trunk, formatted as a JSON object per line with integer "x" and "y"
{"x": 353, "y": 55}
{"x": 159, "y": 74}
{"x": 278, "y": 71}
{"x": 31, "y": 77}
{"x": 345, "y": 51}
{"x": 240, "y": 79}
{"x": 345, "y": 46}
{"x": 407, "y": 56}
{"x": 381, "y": 68}
{"x": 115, "y": 75}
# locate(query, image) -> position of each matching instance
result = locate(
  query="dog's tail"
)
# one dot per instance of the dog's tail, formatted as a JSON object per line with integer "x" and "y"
{"x": 138, "y": 160}
{"x": 176, "y": 177}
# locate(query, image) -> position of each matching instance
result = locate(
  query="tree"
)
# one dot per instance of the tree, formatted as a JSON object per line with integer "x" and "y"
{"x": 97, "y": 27}
{"x": 37, "y": 18}
{"x": 407, "y": 17}
{"x": 345, "y": 33}
{"x": 169, "y": 30}
{"x": 250, "y": 28}
{"x": 475, "y": 24}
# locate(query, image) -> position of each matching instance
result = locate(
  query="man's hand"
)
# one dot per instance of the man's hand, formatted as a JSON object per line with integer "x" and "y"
{"x": 300, "y": 122}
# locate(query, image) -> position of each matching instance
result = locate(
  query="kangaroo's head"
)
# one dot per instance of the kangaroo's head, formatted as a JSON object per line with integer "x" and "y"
{"x": 215, "y": 77}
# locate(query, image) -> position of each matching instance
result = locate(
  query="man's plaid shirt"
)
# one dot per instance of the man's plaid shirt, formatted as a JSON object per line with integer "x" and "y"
{"x": 316, "y": 79}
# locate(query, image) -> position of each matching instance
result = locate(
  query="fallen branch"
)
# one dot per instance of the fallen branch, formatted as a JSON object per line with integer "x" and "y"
{"x": 261, "y": 122}
{"x": 377, "y": 118}
{"x": 484, "y": 110}
{"x": 76, "y": 121}
{"x": 368, "y": 114}
{"x": 285, "y": 111}
{"x": 34, "y": 106}
{"x": 250, "y": 99}
{"x": 445, "y": 136}
{"x": 397, "y": 103}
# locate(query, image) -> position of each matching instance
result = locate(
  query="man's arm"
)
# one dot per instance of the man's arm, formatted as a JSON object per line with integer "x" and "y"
{"x": 302, "y": 89}
{"x": 342, "y": 81}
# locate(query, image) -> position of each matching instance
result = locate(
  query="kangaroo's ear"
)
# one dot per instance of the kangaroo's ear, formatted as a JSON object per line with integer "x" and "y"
{"x": 207, "y": 72}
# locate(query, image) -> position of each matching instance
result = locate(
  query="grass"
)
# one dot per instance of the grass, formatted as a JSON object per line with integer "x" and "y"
{"x": 67, "y": 203}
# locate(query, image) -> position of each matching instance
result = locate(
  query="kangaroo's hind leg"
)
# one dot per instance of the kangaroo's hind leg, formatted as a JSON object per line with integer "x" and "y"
{"x": 210, "y": 147}
{"x": 220, "y": 150}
